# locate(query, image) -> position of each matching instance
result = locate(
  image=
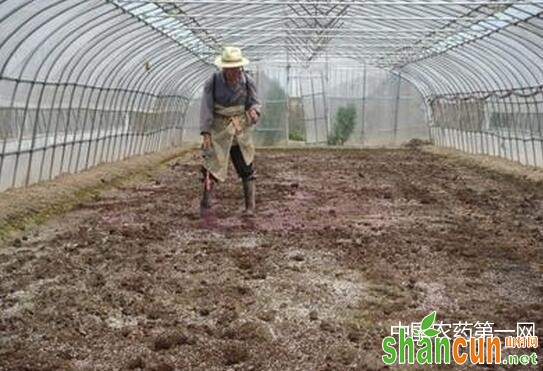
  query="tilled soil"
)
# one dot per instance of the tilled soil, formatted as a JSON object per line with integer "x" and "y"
{"x": 345, "y": 244}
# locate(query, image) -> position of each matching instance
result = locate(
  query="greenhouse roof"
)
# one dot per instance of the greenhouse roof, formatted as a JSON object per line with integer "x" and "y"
{"x": 443, "y": 47}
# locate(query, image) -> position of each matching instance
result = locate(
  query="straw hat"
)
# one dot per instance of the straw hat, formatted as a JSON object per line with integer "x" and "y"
{"x": 231, "y": 57}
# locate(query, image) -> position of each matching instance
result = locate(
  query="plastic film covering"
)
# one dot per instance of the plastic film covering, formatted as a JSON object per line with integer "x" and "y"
{"x": 85, "y": 82}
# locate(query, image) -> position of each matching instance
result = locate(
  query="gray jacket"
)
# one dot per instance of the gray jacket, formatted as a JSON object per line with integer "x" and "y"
{"x": 217, "y": 91}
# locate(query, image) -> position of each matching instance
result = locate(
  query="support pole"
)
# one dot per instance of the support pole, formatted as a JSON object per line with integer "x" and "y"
{"x": 397, "y": 109}
{"x": 363, "y": 113}
{"x": 287, "y": 92}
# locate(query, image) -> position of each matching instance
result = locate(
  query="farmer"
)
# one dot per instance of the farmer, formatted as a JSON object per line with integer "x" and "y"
{"x": 229, "y": 109}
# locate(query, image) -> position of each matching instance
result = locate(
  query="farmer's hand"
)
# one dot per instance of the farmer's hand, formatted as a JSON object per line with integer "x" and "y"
{"x": 206, "y": 141}
{"x": 253, "y": 115}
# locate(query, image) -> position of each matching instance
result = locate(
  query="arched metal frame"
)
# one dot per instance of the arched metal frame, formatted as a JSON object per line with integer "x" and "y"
{"x": 91, "y": 81}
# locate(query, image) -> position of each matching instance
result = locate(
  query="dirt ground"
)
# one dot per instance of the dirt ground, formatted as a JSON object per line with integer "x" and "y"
{"x": 345, "y": 244}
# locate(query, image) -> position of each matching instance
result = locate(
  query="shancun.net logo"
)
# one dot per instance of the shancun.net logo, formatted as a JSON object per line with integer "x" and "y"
{"x": 427, "y": 342}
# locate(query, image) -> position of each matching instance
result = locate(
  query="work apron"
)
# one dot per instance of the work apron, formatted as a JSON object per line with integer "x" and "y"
{"x": 231, "y": 126}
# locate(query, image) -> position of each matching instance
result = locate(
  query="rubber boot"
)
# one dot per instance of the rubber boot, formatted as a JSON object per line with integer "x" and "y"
{"x": 249, "y": 195}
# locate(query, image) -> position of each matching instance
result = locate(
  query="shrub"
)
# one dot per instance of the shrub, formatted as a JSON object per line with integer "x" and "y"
{"x": 296, "y": 135}
{"x": 343, "y": 125}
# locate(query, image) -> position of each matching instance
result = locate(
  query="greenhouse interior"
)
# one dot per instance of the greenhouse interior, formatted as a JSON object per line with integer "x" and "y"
{"x": 395, "y": 202}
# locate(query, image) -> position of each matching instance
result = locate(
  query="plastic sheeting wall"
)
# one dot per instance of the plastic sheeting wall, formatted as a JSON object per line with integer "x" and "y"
{"x": 389, "y": 109}
{"x": 509, "y": 126}
{"x": 85, "y": 82}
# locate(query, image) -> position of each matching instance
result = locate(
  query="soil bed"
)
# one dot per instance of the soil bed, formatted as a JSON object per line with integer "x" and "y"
{"x": 345, "y": 244}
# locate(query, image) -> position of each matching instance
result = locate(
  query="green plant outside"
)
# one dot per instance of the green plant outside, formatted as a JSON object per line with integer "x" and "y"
{"x": 343, "y": 125}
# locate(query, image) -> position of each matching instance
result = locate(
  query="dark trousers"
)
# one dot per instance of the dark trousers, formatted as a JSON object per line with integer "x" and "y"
{"x": 245, "y": 172}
